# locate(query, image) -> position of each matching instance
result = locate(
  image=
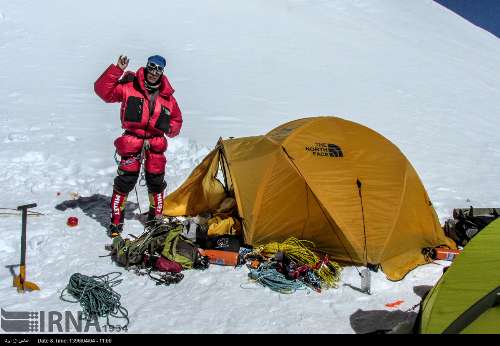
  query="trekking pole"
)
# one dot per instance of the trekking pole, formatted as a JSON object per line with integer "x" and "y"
{"x": 20, "y": 280}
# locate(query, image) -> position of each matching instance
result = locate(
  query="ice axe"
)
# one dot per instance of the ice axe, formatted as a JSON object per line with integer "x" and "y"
{"x": 20, "y": 280}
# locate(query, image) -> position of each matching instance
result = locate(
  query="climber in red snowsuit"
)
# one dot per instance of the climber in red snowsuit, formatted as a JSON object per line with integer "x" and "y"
{"x": 148, "y": 113}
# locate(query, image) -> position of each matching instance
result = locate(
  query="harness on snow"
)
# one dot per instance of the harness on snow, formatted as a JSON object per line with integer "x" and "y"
{"x": 162, "y": 278}
{"x": 167, "y": 278}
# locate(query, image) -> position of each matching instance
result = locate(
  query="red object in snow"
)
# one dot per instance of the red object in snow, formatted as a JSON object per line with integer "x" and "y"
{"x": 396, "y": 303}
{"x": 72, "y": 221}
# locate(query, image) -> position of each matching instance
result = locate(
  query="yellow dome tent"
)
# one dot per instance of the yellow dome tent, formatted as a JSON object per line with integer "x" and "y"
{"x": 324, "y": 179}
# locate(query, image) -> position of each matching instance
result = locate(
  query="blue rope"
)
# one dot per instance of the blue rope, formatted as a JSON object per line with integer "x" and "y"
{"x": 270, "y": 277}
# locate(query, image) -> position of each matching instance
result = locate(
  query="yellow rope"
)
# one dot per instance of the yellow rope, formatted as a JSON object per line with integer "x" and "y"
{"x": 303, "y": 252}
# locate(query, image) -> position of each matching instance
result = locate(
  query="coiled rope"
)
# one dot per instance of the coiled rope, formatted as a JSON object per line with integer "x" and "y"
{"x": 96, "y": 296}
{"x": 270, "y": 277}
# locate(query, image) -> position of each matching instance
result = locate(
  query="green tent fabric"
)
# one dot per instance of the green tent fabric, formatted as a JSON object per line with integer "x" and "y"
{"x": 473, "y": 274}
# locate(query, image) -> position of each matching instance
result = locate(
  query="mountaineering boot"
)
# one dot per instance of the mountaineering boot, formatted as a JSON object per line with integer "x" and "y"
{"x": 117, "y": 213}
{"x": 114, "y": 230}
{"x": 155, "y": 213}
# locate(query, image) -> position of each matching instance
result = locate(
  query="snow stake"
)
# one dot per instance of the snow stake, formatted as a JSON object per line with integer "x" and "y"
{"x": 365, "y": 281}
{"x": 20, "y": 280}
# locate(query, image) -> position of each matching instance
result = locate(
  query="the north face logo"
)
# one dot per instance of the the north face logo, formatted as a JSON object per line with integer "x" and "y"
{"x": 325, "y": 150}
{"x": 334, "y": 150}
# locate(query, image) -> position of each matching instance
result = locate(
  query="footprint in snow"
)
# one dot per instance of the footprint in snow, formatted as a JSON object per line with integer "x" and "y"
{"x": 37, "y": 242}
{"x": 16, "y": 137}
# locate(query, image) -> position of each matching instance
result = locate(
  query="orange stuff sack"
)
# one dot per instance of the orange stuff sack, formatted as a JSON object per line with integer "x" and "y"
{"x": 225, "y": 258}
{"x": 445, "y": 254}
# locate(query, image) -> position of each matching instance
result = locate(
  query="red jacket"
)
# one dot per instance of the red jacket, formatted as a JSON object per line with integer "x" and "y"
{"x": 134, "y": 112}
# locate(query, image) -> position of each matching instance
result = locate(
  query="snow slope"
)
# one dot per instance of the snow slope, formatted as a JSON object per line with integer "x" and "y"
{"x": 413, "y": 71}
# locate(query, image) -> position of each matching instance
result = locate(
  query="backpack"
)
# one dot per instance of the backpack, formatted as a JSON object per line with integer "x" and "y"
{"x": 180, "y": 249}
{"x": 466, "y": 223}
{"x": 127, "y": 252}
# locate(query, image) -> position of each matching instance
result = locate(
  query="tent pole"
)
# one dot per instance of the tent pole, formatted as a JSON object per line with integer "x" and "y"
{"x": 222, "y": 158}
{"x": 358, "y": 183}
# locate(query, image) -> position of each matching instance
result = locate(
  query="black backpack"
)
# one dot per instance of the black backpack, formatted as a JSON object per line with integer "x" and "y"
{"x": 466, "y": 223}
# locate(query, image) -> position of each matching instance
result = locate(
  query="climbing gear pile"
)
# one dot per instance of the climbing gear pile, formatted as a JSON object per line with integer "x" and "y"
{"x": 161, "y": 252}
{"x": 127, "y": 252}
{"x": 268, "y": 276}
{"x": 96, "y": 296}
{"x": 303, "y": 252}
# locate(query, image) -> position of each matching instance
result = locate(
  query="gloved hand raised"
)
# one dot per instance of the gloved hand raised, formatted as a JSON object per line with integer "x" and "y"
{"x": 122, "y": 62}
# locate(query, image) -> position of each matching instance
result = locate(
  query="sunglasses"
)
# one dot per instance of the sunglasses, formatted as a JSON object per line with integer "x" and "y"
{"x": 154, "y": 67}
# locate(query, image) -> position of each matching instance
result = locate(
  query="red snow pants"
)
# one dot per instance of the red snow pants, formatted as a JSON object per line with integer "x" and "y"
{"x": 129, "y": 147}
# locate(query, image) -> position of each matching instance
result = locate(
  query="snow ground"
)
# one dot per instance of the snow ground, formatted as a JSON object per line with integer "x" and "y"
{"x": 413, "y": 71}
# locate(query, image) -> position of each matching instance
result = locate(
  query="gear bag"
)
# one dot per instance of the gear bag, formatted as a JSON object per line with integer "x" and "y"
{"x": 127, "y": 252}
{"x": 466, "y": 223}
{"x": 180, "y": 249}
